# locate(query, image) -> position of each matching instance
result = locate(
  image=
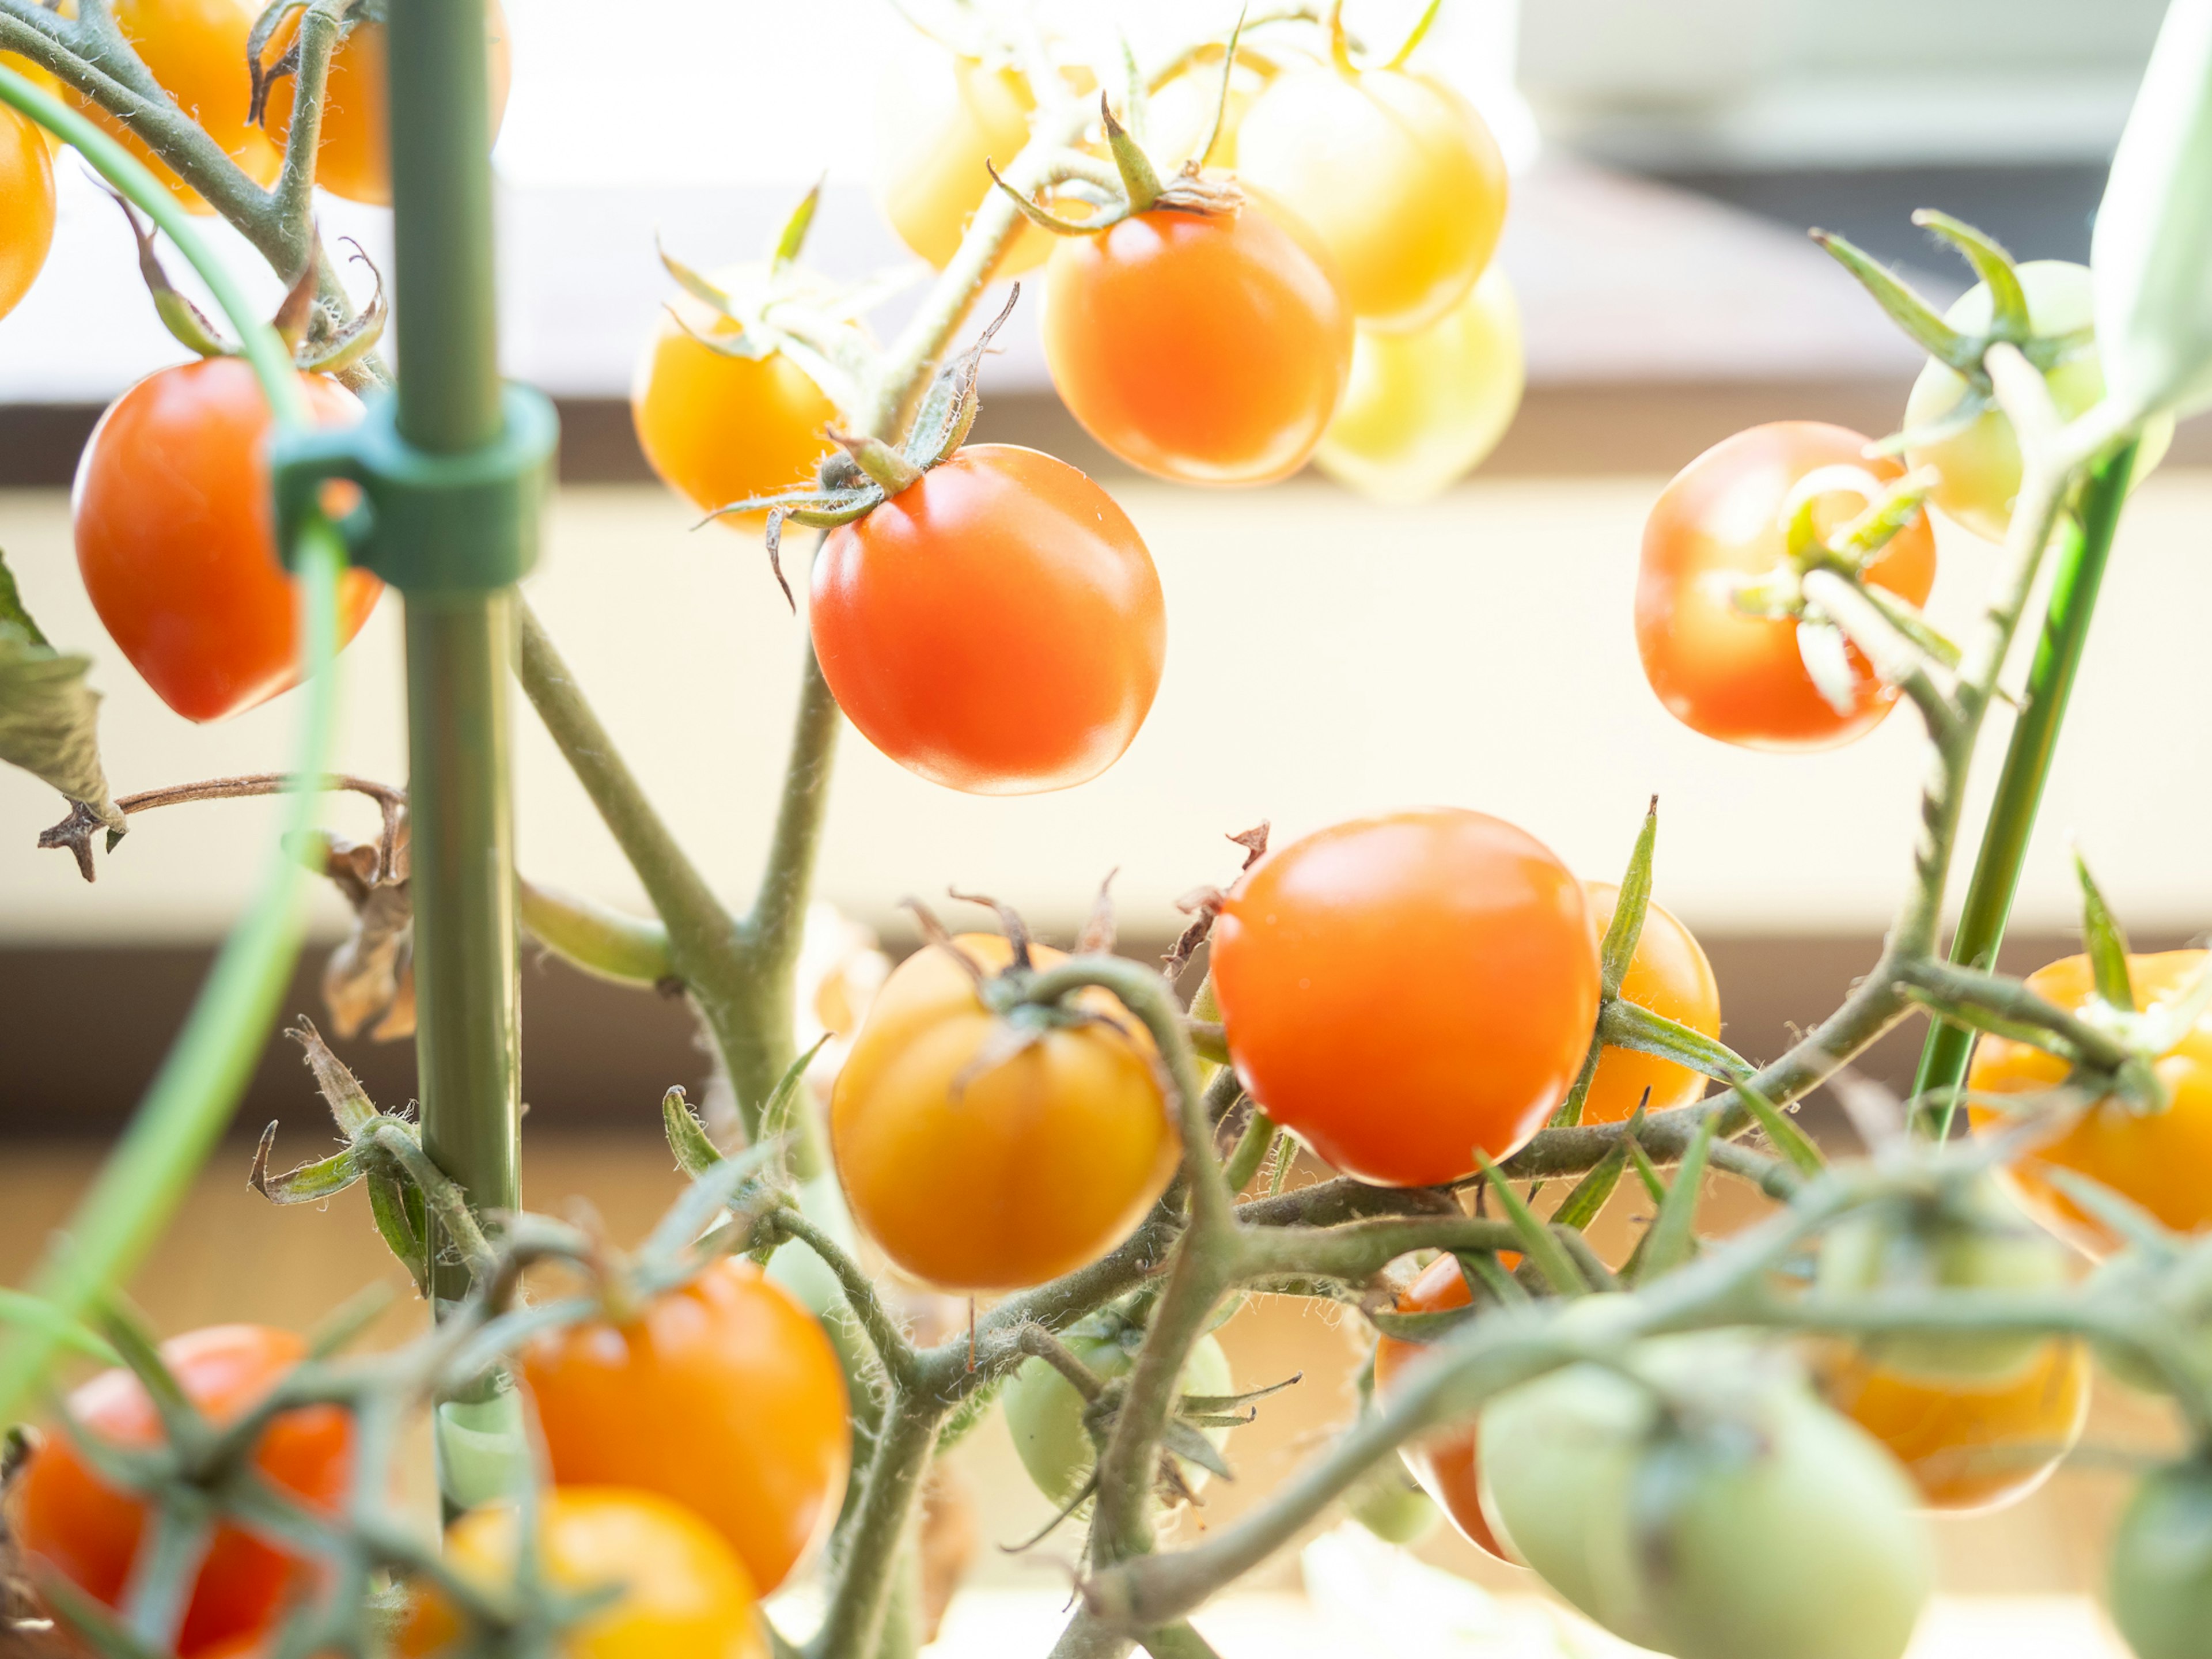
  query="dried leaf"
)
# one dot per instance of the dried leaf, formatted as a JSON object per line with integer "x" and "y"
{"x": 49, "y": 724}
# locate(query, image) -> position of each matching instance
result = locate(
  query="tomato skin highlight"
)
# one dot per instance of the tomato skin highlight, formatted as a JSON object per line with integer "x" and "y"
{"x": 723, "y": 1396}
{"x": 1739, "y": 678}
{"x": 1445, "y": 1463}
{"x": 687, "y": 1596}
{"x": 1668, "y": 974}
{"x": 196, "y": 50}
{"x": 2156, "y": 1158}
{"x": 1399, "y": 178}
{"x": 1210, "y": 349}
{"x": 75, "y": 1523}
{"x": 997, "y": 627}
{"x": 175, "y": 541}
{"x": 1003, "y": 1179}
{"x": 1358, "y": 969}
{"x": 353, "y": 159}
{"x": 27, "y": 206}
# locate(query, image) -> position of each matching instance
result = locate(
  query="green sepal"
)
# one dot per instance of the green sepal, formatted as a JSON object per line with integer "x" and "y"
{"x": 350, "y": 1106}
{"x": 1045, "y": 219}
{"x": 134, "y": 1344}
{"x": 343, "y": 1325}
{"x": 2142, "y": 1230}
{"x": 1187, "y": 1443}
{"x": 1205, "y": 152}
{"x": 2105, "y": 942}
{"x": 1560, "y": 1270}
{"x": 1141, "y": 181}
{"x": 308, "y": 1183}
{"x": 1418, "y": 33}
{"x": 1580, "y": 1207}
{"x": 687, "y": 1136}
{"x": 1782, "y": 1130}
{"x": 351, "y": 342}
{"x": 1654, "y": 1184}
{"x": 792, "y": 240}
{"x": 1618, "y": 948}
{"x": 778, "y": 1111}
{"x": 1423, "y": 1326}
{"x": 708, "y": 1195}
{"x": 1482, "y": 1271}
{"x": 1975, "y": 402}
{"x": 1993, "y": 264}
{"x": 403, "y": 1219}
{"x": 1630, "y": 1025}
{"x": 1136, "y": 92}
{"x": 36, "y": 1313}
{"x": 1670, "y": 1241}
{"x": 1905, "y": 307}
{"x": 188, "y": 325}
{"x": 1221, "y": 1404}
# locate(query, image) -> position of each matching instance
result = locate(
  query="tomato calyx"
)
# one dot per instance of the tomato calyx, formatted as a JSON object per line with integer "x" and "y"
{"x": 1022, "y": 1019}
{"x": 2149, "y": 1033}
{"x": 1134, "y": 186}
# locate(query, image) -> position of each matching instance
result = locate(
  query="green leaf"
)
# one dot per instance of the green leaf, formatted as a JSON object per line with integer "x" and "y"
{"x": 2106, "y": 944}
{"x": 50, "y": 719}
{"x": 1791, "y": 1141}
{"x": 1669, "y": 1242}
{"x": 1560, "y": 1270}
{"x": 1621, "y": 933}
{"x": 1580, "y": 1207}
{"x": 12, "y": 611}
{"x": 687, "y": 1136}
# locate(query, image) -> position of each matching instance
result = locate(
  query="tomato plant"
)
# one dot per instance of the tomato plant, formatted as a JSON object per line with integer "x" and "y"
{"x": 69, "y": 1518}
{"x": 1205, "y": 347}
{"x": 1406, "y": 991}
{"x": 353, "y": 159}
{"x": 1725, "y": 522}
{"x": 1668, "y": 974}
{"x": 2154, "y": 1157}
{"x": 27, "y": 206}
{"x": 1397, "y": 175}
{"x": 683, "y": 1590}
{"x": 2161, "y": 1572}
{"x": 722, "y": 1395}
{"x": 1446, "y": 1464}
{"x": 984, "y": 1155}
{"x": 997, "y": 627}
{"x": 197, "y": 49}
{"x": 171, "y": 518}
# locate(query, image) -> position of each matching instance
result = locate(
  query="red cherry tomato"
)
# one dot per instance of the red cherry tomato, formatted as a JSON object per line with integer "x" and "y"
{"x": 1444, "y": 1463}
{"x": 77, "y": 1525}
{"x": 996, "y": 627}
{"x": 1401, "y": 991}
{"x": 1741, "y": 678}
{"x": 1207, "y": 348}
{"x": 175, "y": 542}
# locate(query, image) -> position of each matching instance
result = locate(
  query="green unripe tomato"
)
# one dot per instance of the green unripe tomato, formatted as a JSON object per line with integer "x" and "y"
{"x": 1045, "y": 1413}
{"x": 1974, "y": 1238}
{"x": 1390, "y": 1503}
{"x": 1981, "y": 466}
{"x": 2160, "y": 1588}
{"x": 1743, "y": 1520}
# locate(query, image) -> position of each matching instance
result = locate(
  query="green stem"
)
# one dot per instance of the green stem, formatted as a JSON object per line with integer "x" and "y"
{"x": 608, "y": 943}
{"x": 2081, "y": 560}
{"x": 862, "y": 1580}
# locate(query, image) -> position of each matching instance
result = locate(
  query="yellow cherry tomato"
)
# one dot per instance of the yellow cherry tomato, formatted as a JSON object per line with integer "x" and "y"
{"x": 1182, "y": 113}
{"x": 197, "y": 50}
{"x": 1421, "y": 410}
{"x": 1395, "y": 173}
{"x": 1970, "y": 1443}
{"x": 1670, "y": 975}
{"x": 718, "y": 429}
{"x": 2156, "y": 1158}
{"x": 27, "y": 206}
{"x": 685, "y": 1594}
{"x": 979, "y": 1165}
{"x": 940, "y": 118}
{"x": 1980, "y": 467}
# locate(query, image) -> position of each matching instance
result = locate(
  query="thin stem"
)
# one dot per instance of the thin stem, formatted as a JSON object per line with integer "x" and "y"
{"x": 901, "y": 1360}
{"x": 292, "y": 199}
{"x": 602, "y": 941}
{"x": 862, "y": 1579}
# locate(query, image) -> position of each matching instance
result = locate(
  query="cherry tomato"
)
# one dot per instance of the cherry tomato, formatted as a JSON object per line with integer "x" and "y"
{"x": 1397, "y": 175}
{"x": 1182, "y": 113}
{"x": 997, "y": 1178}
{"x": 87, "y": 1530}
{"x": 2156, "y": 1158}
{"x": 997, "y": 627}
{"x": 723, "y": 1396}
{"x": 1403, "y": 990}
{"x": 1756, "y": 1524}
{"x": 2161, "y": 1575}
{"x": 1422, "y": 409}
{"x": 1209, "y": 347}
{"x": 27, "y": 206}
{"x": 1445, "y": 1462}
{"x": 1392, "y": 1504}
{"x": 174, "y": 542}
{"x": 1980, "y": 467}
{"x": 1670, "y": 975}
{"x": 685, "y": 1594}
{"x": 353, "y": 159}
{"x": 1044, "y": 1413}
{"x": 1971, "y": 1445}
{"x": 45, "y": 79}
{"x": 718, "y": 429}
{"x": 1736, "y": 676}
{"x": 196, "y": 49}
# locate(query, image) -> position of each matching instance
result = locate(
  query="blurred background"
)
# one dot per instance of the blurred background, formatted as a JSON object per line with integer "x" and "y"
{"x": 1327, "y": 657}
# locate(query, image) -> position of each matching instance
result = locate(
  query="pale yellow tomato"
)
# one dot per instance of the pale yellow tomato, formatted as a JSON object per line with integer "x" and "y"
{"x": 939, "y": 118}
{"x": 1394, "y": 172}
{"x": 1423, "y": 409}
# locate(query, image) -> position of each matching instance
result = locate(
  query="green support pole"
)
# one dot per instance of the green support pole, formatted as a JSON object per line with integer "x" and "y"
{"x": 2083, "y": 549}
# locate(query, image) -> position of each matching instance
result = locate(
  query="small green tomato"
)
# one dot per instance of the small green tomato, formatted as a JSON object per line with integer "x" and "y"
{"x": 2160, "y": 1588}
{"x": 1390, "y": 1503}
{"x": 1045, "y": 1413}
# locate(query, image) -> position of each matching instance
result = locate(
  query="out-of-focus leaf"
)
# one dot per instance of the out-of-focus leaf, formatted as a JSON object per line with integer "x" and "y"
{"x": 50, "y": 718}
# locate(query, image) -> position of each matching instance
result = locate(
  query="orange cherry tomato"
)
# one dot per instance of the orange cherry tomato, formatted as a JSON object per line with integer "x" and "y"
{"x": 27, "y": 206}
{"x": 1001, "y": 1174}
{"x": 1444, "y": 1463}
{"x": 1970, "y": 1444}
{"x": 175, "y": 542}
{"x": 77, "y": 1525}
{"x": 1403, "y": 991}
{"x": 684, "y": 1593}
{"x": 1209, "y": 347}
{"x": 45, "y": 79}
{"x": 723, "y": 1396}
{"x": 2157, "y": 1158}
{"x": 1741, "y": 678}
{"x": 196, "y": 49}
{"x": 719, "y": 430}
{"x": 1670, "y": 975}
{"x": 997, "y": 627}
{"x": 353, "y": 159}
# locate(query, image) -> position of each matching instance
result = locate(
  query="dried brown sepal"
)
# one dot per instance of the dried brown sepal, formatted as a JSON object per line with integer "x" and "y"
{"x": 1253, "y": 842}
{"x": 187, "y": 324}
{"x": 1096, "y": 938}
{"x": 1010, "y": 919}
{"x": 1201, "y": 905}
{"x": 75, "y": 833}
{"x": 296, "y": 314}
{"x": 347, "y": 344}
{"x": 934, "y": 936}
